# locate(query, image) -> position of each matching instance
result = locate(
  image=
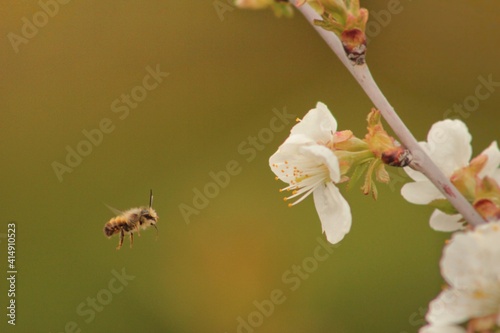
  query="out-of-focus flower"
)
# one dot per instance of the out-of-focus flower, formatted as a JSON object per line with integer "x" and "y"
{"x": 442, "y": 329}
{"x": 253, "y": 4}
{"x": 448, "y": 145}
{"x": 471, "y": 267}
{"x": 280, "y": 7}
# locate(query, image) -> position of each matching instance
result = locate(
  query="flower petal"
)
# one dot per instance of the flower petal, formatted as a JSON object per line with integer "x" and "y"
{"x": 442, "y": 329}
{"x": 299, "y": 150}
{"x": 293, "y": 143}
{"x": 450, "y": 307}
{"x": 280, "y": 162}
{"x": 454, "y": 306}
{"x": 325, "y": 156}
{"x": 448, "y": 145}
{"x": 496, "y": 176}
{"x": 444, "y": 222}
{"x": 470, "y": 261}
{"x": 334, "y": 212}
{"x": 470, "y": 266}
{"x": 420, "y": 193}
{"x": 415, "y": 175}
{"x": 318, "y": 124}
{"x": 493, "y": 161}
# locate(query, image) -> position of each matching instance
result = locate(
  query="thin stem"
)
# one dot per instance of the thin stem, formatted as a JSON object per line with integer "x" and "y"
{"x": 421, "y": 161}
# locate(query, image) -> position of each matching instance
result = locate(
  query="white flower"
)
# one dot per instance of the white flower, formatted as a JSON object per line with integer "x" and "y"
{"x": 448, "y": 145}
{"x": 306, "y": 163}
{"x": 491, "y": 168}
{"x": 471, "y": 267}
{"x": 442, "y": 329}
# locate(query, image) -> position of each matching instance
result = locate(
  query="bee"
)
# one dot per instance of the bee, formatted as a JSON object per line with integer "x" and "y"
{"x": 132, "y": 221}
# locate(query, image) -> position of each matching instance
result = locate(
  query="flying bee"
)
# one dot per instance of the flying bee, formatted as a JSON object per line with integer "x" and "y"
{"x": 132, "y": 221}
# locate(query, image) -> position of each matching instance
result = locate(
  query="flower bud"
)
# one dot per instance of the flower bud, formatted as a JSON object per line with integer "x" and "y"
{"x": 280, "y": 7}
{"x": 253, "y": 4}
{"x": 383, "y": 145}
{"x": 487, "y": 209}
{"x": 347, "y": 20}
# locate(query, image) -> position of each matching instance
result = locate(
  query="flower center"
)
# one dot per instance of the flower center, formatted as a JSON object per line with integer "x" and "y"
{"x": 304, "y": 177}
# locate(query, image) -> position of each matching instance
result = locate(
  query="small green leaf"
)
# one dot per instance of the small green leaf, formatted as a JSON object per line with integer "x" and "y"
{"x": 381, "y": 174}
{"x": 282, "y": 9}
{"x": 374, "y": 190}
{"x": 356, "y": 175}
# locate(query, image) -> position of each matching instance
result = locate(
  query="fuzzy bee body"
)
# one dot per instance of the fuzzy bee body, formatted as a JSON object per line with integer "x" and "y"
{"x": 131, "y": 221}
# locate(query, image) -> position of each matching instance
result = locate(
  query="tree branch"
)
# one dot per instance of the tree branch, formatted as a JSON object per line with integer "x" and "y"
{"x": 421, "y": 161}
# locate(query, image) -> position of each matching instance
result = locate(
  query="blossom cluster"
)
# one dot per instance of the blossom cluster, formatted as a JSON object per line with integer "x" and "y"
{"x": 471, "y": 260}
{"x": 316, "y": 158}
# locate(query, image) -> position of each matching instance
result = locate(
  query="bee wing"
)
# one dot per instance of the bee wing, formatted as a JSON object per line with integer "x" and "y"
{"x": 114, "y": 210}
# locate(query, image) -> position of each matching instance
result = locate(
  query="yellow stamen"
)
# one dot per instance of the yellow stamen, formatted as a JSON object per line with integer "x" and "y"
{"x": 479, "y": 294}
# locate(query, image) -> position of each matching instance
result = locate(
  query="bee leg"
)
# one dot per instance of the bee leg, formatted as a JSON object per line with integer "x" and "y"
{"x": 120, "y": 241}
{"x": 131, "y": 239}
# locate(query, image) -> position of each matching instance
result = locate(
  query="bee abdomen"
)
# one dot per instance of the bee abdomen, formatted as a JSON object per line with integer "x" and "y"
{"x": 110, "y": 229}
{"x": 114, "y": 226}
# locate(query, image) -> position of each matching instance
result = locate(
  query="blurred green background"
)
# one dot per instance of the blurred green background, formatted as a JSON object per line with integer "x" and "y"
{"x": 227, "y": 70}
